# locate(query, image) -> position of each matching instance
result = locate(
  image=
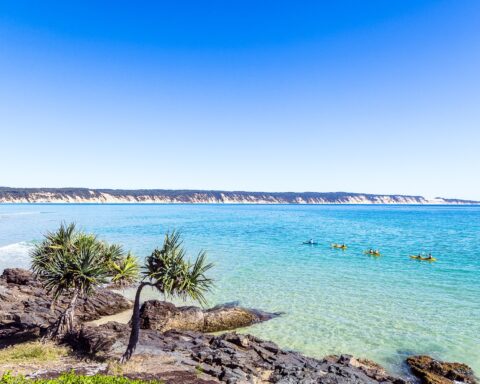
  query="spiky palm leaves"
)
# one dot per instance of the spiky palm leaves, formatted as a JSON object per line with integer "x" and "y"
{"x": 72, "y": 263}
{"x": 172, "y": 275}
{"x": 80, "y": 270}
{"x": 125, "y": 271}
{"x": 168, "y": 270}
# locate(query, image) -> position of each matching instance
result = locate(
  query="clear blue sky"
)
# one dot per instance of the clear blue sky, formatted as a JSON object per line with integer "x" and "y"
{"x": 363, "y": 96}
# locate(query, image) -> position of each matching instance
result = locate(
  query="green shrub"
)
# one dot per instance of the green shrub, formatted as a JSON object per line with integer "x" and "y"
{"x": 72, "y": 378}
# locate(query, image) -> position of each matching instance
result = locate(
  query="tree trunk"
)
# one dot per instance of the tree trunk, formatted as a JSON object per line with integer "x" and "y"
{"x": 135, "y": 331}
{"x": 66, "y": 323}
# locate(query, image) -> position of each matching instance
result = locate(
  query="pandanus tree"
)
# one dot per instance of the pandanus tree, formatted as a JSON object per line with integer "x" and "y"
{"x": 71, "y": 263}
{"x": 125, "y": 270}
{"x": 169, "y": 272}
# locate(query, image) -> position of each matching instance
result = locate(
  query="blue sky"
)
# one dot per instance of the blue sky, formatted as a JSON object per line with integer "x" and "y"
{"x": 362, "y": 96}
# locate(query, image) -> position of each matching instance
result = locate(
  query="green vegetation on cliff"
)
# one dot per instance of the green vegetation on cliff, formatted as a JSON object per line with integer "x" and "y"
{"x": 86, "y": 195}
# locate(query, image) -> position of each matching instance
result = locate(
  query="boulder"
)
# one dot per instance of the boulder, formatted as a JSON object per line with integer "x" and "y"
{"x": 163, "y": 316}
{"x": 25, "y": 307}
{"x": 19, "y": 276}
{"x": 230, "y": 357}
{"x": 431, "y": 371}
{"x": 230, "y": 316}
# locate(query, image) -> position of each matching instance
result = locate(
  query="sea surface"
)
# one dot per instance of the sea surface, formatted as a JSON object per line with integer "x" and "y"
{"x": 333, "y": 301}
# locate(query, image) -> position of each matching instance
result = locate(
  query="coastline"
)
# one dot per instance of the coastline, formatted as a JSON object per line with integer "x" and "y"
{"x": 232, "y": 233}
{"x": 204, "y": 357}
{"x": 432, "y": 204}
{"x": 154, "y": 196}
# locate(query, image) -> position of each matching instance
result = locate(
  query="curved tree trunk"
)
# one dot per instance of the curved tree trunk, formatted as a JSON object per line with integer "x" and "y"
{"x": 66, "y": 323}
{"x": 135, "y": 331}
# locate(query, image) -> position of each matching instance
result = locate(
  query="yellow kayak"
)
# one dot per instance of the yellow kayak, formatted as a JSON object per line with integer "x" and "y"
{"x": 339, "y": 246}
{"x": 372, "y": 253}
{"x": 423, "y": 258}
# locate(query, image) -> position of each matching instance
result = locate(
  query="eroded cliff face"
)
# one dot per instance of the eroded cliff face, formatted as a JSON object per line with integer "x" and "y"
{"x": 83, "y": 195}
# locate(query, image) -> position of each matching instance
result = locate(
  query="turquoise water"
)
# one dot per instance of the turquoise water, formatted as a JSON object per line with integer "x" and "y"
{"x": 334, "y": 301}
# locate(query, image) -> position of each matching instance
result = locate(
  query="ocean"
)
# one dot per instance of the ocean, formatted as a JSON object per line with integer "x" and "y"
{"x": 382, "y": 308}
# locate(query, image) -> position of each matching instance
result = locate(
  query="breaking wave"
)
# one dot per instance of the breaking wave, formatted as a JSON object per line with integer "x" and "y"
{"x": 16, "y": 255}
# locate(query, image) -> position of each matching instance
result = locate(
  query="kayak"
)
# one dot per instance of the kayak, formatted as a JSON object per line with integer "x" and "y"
{"x": 309, "y": 243}
{"x": 373, "y": 253}
{"x": 423, "y": 258}
{"x": 339, "y": 246}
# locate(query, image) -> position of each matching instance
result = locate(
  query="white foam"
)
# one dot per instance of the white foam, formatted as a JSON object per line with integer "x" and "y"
{"x": 15, "y": 255}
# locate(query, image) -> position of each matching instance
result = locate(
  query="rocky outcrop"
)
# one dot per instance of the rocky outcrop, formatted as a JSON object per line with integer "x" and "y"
{"x": 25, "y": 307}
{"x": 230, "y": 357}
{"x": 432, "y": 371}
{"x": 163, "y": 316}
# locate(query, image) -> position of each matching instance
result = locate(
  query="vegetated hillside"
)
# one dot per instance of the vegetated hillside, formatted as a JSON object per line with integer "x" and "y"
{"x": 86, "y": 195}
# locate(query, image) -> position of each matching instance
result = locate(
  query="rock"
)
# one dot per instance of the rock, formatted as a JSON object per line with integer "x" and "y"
{"x": 81, "y": 368}
{"x": 432, "y": 371}
{"x": 25, "y": 307}
{"x": 139, "y": 370}
{"x": 164, "y": 316}
{"x": 230, "y": 357}
{"x": 228, "y": 317}
{"x": 19, "y": 276}
{"x": 92, "y": 340}
{"x": 171, "y": 377}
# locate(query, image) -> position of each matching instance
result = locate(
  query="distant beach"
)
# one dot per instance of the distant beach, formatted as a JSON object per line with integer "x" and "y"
{"x": 172, "y": 196}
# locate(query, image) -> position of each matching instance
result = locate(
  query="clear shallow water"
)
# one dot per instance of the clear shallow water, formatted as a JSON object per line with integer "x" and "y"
{"x": 334, "y": 301}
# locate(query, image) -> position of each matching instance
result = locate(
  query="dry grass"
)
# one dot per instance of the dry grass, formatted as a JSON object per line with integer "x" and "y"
{"x": 146, "y": 364}
{"x": 32, "y": 352}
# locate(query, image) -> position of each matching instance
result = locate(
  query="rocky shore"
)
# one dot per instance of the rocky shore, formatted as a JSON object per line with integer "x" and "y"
{"x": 26, "y": 310}
{"x": 174, "y": 346}
{"x": 230, "y": 357}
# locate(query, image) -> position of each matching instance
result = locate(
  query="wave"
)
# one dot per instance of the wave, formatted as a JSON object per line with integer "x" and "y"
{"x": 16, "y": 255}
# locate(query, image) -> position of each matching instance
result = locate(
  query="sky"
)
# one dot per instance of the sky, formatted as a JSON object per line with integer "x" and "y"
{"x": 366, "y": 96}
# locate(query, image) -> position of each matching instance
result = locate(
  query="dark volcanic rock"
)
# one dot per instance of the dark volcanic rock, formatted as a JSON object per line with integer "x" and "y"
{"x": 171, "y": 377}
{"x": 163, "y": 316}
{"x": 432, "y": 371}
{"x": 19, "y": 276}
{"x": 232, "y": 358}
{"x": 25, "y": 308}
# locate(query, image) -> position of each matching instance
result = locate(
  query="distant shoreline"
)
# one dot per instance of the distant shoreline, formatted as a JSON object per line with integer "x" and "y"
{"x": 164, "y": 196}
{"x": 249, "y": 204}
